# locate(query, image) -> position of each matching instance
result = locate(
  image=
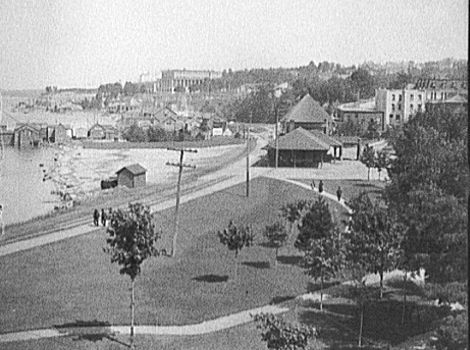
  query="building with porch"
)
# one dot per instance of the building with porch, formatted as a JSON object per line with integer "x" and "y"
{"x": 304, "y": 148}
{"x": 27, "y": 135}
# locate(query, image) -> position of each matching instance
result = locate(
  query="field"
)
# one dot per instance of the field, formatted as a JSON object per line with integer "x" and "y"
{"x": 74, "y": 280}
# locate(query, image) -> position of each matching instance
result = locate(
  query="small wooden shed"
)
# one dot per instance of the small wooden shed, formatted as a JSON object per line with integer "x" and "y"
{"x": 132, "y": 176}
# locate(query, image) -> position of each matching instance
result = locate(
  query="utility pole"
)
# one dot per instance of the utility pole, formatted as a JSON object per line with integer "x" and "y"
{"x": 276, "y": 112}
{"x": 180, "y": 165}
{"x": 248, "y": 158}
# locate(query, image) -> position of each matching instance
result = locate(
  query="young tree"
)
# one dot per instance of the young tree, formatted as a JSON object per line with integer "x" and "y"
{"x": 375, "y": 238}
{"x": 280, "y": 335}
{"x": 236, "y": 239}
{"x": 381, "y": 161}
{"x": 276, "y": 235}
{"x": 368, "y": 159}
{"x": 318, "y": 240}
{"x": 132, "y": 239}
{"x": 292, "y": 212}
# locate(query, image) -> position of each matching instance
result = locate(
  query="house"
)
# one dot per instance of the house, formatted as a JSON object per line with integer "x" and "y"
{"x": 27, "y": 135}
{"x": 361, "y": 113}
{"x": 103, "y": 132}
{"x": 455, "y": 103}
{"x": 307, "y": 114}
{"x": 59, "y": 134}
{"x": 299, "y": 148}
{"x": 132, "y": 176}
{"x": 80, "y": 133}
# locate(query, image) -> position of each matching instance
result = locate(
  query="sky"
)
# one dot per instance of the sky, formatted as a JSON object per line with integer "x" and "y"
{"x": 70, "y": 43}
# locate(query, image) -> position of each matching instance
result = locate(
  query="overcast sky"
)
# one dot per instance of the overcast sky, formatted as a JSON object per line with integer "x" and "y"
{"x": 71, "y": 43}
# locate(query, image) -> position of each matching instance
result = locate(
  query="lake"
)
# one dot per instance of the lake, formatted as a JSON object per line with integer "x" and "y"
{"x": 23, "y": 193}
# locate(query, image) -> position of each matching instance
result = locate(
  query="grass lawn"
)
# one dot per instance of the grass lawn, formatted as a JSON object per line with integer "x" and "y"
{"x": 351, "y": 188}
{"x": 74, "y": 280}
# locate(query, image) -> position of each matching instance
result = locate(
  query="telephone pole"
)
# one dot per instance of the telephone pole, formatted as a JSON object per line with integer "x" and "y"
{"x": 248, "y": 158}
{"x": 180, "y": 165}
{"x": 276, "y": 112}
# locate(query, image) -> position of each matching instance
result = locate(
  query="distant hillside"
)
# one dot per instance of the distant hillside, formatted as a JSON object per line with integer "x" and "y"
{"x": 22, "y": 93}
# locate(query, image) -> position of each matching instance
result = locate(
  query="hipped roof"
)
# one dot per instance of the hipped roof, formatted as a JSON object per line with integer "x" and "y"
{"x": 307, "y": 110}
{"x": 300, "y": 140}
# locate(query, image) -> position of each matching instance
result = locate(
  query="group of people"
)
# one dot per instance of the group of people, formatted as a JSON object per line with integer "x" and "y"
{"x": 339, "y": 191}
{"x": 105, "y": 218}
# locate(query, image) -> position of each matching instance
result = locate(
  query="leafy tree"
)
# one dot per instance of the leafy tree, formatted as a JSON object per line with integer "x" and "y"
{"x": 453, "y": 332}
{"x": 135, "y": 134}
{"x": 132, "y": 240}
{"x": 318, "y": 240}
{"x": 381, "y": 161}
{"x": 276, "y": 235}
{"x": 235, "y": 239}
{"x": 363, "y": 83}
{"x": 280, "y": 335}
{"x": 372, "y": 131}
{"x": 368, "y": 159}
{"x": 429, "y": 189}
{"x": 374, "y": 241}
{"x": 292, "y": 212}
{"x": 315, "y": 224}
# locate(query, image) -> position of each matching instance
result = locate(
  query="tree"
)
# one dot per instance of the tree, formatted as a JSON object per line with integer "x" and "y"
{"x": 292, "y": 212}
{"x": 276, "y": 235}
{"x": 132, "y": 239}
{"x": 280, "y": 335}
{"x": 236, "y": 239}
{"x": 375, "y": 239}
{"x": 381, "y": 161}
{"x": 318, "y": 240}
{"x": 429, "y": 190}
{"x": 135, "y": 134}
{"x": 368, "y": 159}
{"x": 363, "y": 83}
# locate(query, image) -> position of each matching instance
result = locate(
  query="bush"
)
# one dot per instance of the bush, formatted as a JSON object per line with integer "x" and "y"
{"x": 453, "y": 333}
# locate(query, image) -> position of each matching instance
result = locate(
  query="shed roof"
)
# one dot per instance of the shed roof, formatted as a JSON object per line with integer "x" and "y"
{"x": 300, "y": 140}
{"x": 307, "y": 110}
{"x": 134, "y": 169}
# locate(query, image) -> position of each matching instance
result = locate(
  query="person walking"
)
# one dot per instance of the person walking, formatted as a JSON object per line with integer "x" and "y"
{"x": 320, "y": 186}
{"x": 103, "y": 217}
{"x": 96, "y": 217}
{"x": 339, "y": 192}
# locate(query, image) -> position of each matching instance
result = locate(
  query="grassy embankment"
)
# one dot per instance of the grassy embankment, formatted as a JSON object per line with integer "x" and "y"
{"x": 74, "y": 280}
{"x": 194, "y": 288}
{"x": 82, "y": 211}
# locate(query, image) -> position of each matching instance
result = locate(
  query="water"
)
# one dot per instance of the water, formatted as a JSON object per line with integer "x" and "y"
{"x": 23, "y": 193}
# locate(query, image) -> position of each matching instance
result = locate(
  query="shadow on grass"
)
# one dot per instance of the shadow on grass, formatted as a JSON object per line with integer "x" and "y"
{"x": 289, "y": 259}
{"x": 211, "y": 278}
{"x": 314, "y": 287}
{"x": 257, "y": 264}
{"x": 92, "y": 331}
{"x": 382, "y": 322}
{"x": 281, "y": 299}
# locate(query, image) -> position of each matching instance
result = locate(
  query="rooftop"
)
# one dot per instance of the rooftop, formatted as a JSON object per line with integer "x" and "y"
{"x": 300, "y": 140}
{"x": 134, "y": 169}
{"x": 359, "y": 106}
{"x": 307, "y": 110}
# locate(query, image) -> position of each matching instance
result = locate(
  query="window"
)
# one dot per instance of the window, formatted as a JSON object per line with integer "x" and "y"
{"x": 411, "y": 106}
{"x": 399, "y": 106}
{"x": 390, "y": 116}
{"x": 393, "y": 106}
{"x": 393, "y": 97}
{"x": 397, "y": 117}
{"x": 412, "y": 97}
{"x": 399, "y": 97}
{"x": 419, "y": 108}
{"x": 420, "y": 97}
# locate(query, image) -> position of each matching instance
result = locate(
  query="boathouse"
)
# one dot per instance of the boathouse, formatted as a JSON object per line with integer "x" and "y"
{"x": 132, "y": 176}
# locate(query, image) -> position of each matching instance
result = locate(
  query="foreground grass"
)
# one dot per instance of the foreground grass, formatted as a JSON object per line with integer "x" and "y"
{"x": 74, "y": 280}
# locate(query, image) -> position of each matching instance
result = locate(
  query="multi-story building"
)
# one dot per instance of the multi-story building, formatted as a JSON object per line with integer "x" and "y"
{"x": 361, "y": 113}
{"x": 398, "y": 106}
{"x": 182, "y": 78}
{"x": 442, "y": 89}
